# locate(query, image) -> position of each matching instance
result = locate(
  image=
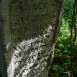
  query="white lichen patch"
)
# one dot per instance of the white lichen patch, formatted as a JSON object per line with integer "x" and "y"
{"x": 30, "y": 56}
{"x": 8, "y": 45}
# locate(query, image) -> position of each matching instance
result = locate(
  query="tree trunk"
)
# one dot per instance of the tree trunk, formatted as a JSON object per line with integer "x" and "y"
{"x": 30, "y": 32}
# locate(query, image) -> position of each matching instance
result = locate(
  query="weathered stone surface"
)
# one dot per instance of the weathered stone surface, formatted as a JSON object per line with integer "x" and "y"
{"x": 29, "y": 27}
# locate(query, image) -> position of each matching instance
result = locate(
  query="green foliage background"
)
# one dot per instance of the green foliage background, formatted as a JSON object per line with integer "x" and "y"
{"x": 62, "y": 63}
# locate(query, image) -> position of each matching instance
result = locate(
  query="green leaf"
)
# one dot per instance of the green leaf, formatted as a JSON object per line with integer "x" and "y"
{"x": 57, "y": 68}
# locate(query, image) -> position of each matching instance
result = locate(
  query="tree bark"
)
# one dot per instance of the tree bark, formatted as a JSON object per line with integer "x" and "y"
{"x": 30, "y": 31}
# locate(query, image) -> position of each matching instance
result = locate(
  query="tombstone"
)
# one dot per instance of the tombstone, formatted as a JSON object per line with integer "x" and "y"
{"x": 27, "y": 21}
